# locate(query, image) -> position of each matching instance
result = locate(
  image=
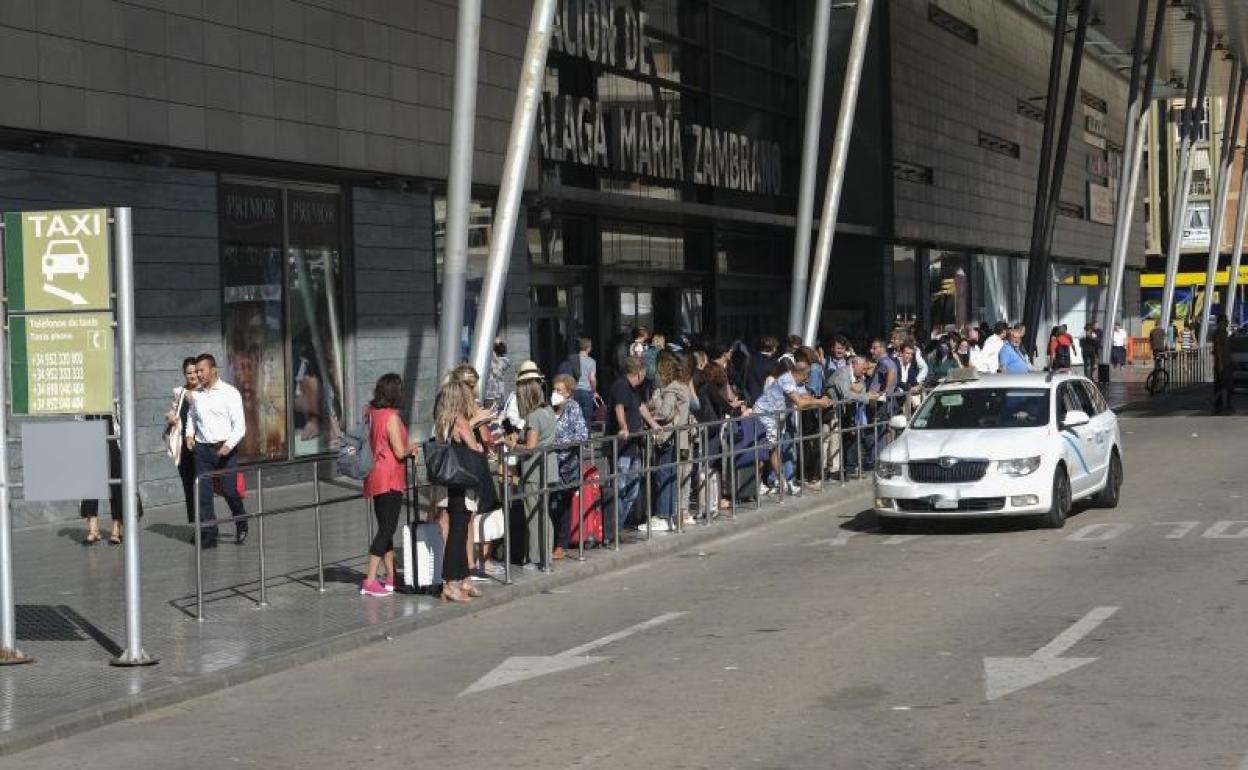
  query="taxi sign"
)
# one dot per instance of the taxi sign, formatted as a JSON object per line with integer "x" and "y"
{"x": 62, "y": 363}
{"x": 57, "y": 260}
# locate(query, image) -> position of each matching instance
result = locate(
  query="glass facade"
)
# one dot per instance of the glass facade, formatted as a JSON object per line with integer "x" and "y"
{"x": 283, "y": 318}
{"x": 480, "y": 221}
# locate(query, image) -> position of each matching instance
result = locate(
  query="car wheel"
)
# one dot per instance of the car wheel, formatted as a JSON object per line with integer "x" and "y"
{"x": 1060, "y": 508}
{"x": 892, "y": 526}
{"x": 1108, "y": 497}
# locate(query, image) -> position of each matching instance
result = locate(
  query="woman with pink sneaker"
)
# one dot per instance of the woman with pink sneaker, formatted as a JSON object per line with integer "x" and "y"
{"x": 388, "y": 480}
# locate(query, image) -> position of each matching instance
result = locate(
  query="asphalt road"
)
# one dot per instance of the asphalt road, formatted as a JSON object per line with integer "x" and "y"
{"x": 810, "y": 643}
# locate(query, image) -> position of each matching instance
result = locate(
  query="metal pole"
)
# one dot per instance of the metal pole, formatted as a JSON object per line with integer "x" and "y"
{"x": 506, "y": 516}
{"x": 1230, "y": 135}
{"x": 1138, "y": 112}
{"x": 810, "y": 162}
{"x": 580, "y": 509}
{"x": 1241, "y": 220}
{"x": 459, "y": 186}
{"x": 123, "y": 253}
{"x": 1183, "y": 179}
{"x": 616, "y": 482}
{"x": 1042, "y": 257}
{"x": 836, "y": 170}
{"x": 264, "y": 595}
{"x": 731, "y": 475}
{"x": 543, "y": 522}
{"x": 316, "y": 512}
{"x": 649, "y": 471}
{"x": 1034, "y": 292}
{"x": 9, "y": 653}
{"x": 199, "y": 555}
{"x": 519, "y": 143}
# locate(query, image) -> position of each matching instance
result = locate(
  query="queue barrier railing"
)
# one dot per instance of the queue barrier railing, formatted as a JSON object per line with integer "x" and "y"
{"x": 1186, "y": 367}
{"x": 697, "y": 468}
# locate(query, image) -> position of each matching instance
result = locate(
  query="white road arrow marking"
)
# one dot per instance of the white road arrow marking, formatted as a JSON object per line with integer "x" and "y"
{"x": 1003, "y": 676}
{"x": 72, "y": 297}
{"x": 842, "y": 538}
{"x": 518, "y": 669}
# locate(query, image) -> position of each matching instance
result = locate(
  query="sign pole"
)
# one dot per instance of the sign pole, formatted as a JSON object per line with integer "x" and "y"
{"x": 9, "y": 653}
{"x": 134, "y": 654}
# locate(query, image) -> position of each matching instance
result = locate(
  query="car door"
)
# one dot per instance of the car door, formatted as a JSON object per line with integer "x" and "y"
{"x": 1077, "y": 443}
{"x": 1101, "y": 427}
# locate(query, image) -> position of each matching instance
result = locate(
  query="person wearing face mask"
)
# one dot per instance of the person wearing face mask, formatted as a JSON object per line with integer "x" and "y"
{"x": 570, "y": 428}
{"x": 942, "y": 361}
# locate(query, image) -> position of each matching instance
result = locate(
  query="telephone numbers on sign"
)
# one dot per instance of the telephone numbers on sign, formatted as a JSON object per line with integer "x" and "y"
{"x": 59, "y": 374}
{"x": 59, "y": 404}
{"x": 60, "y": 389}
{"x": 64, "y": 358}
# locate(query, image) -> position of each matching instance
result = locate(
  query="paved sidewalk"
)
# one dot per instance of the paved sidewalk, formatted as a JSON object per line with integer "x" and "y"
{"x": 70, "y": 612}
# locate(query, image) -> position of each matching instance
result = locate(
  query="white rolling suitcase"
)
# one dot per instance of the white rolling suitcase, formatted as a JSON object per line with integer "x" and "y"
{"x": 423, "y": 548}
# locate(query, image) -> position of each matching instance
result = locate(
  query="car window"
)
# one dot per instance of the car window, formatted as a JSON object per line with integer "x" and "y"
{"x": 1066, "y": 401}
{"x": 1082, "y": 393}
{"x": 1096, "y": 400}
{"x": 979, "y": 408}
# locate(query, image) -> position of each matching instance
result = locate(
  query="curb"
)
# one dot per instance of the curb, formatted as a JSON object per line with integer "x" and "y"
{"x": 851, "y": 496}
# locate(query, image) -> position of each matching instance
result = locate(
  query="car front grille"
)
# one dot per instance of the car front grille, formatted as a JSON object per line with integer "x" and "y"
{"x": 962, "y": 471}
{"x": 965, "y": 505}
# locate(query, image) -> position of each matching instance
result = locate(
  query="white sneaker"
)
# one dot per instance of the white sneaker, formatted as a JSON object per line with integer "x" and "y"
{"x": 660, "y": 525}
{"x": 793, "y": 489}
{"x": 768, "y": 491}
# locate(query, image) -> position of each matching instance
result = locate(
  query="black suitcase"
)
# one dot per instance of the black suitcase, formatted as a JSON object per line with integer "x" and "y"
{"x": 747, "y": 484}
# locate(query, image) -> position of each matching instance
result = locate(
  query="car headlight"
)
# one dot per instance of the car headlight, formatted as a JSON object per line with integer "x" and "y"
{"x": 888, "y": 470}
{"x": 1020, "y": 467}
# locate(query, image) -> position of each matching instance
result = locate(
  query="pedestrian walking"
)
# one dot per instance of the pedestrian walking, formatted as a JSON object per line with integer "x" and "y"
{"x": 215, "y": 425}
{"x": 1118, "y": 347}
{"x": 586, "y": 379}
{"x": 175, "y": 431}
{"x": 1090, "y": 347}
{"x": 1223, "y": 368}
{"x": 627, "y": 416}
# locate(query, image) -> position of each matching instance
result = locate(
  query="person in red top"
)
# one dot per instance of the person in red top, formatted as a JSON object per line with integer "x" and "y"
{"x": 388, "y": 479}
{"x": 1060, "y": 346}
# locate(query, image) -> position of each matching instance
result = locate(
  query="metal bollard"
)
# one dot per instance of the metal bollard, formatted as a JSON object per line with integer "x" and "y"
{"x": 316, "y": 514}
{"x": 264, "y": 596}
{"x": 199, "y": 557}
{"x": 801, "y": 452}
{"x": 580, "y": 509}
{"x": 824, "y": 433}
{"x": 506, "y": 517}
{"x": 732, "y": 470}
{"x": 543, "y": 521}
{"x": 646, "y": 464}
{"x": 616, "y": 479}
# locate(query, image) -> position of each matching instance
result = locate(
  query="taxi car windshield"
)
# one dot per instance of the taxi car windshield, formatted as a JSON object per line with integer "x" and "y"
{"x": 979, "y": 408}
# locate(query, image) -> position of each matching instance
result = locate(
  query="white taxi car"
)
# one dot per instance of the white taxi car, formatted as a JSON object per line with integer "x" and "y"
{"x": 1001, "y": 445}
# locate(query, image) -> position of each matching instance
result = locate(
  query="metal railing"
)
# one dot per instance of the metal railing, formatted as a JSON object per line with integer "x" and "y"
{"x": 700, "y": 468}
{"x": 230, "y": 476}
{"x": 1184, "y": 367}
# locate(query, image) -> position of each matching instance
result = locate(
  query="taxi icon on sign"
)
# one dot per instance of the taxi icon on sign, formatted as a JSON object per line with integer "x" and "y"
{"x": 65, "y": 257}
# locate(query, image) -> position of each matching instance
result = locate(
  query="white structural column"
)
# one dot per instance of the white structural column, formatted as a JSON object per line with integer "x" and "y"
{"x": 1138, "y": 112}
{"x": 1241, "y": 220}
{"x": 836, "y": 170}
{"x": 459, "y": 185}
{"x": 1229, "y": 134}
{"x": 810, "y": 163}
{"x": 519, "y": 144}
{"x": 1183, "y": 179}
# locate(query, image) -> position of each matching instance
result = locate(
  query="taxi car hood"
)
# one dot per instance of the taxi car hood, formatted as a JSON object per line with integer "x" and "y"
{"x": 989, "y": 444}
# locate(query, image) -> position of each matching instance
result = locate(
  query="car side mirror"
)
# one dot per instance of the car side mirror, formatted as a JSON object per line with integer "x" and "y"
{"x": 1075, "y": 418}
{"x": 898, "y": 423}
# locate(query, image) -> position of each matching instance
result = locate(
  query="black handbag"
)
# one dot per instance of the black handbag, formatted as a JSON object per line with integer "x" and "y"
{"x": 450, "y": 464}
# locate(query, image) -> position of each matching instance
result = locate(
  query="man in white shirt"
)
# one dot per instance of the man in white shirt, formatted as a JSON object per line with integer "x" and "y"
{"x": 990, "y": 353}
{"x": 215, "y": 425}
{"x": 1118, "y": 347}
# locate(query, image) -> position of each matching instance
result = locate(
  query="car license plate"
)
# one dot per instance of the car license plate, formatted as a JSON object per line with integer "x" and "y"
{"x": 945, "y": 504}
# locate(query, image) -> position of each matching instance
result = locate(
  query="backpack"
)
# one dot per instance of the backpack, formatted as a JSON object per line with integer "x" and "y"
{"x": 355, "y": 451}
{"x": 1061, "y": 356}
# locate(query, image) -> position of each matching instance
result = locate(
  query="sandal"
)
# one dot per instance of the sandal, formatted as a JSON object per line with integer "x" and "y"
{"x": 469, "y": 589}
{"x": 92, "y": 538}
{"x": 452, "y": 595}
{"x": 114, "y": 539}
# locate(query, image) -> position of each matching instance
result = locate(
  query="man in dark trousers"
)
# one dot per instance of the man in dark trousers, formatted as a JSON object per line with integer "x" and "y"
{"x": 1223, "y": 368}
{"x": 760, "y": 366}
{"x": 214, "y": 427}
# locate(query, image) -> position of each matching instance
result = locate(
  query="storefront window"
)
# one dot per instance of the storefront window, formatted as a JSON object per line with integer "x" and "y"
{"x": 905, "y": 296}
{"x": 950, "y": 295}
{"x": 999, "y": 288}
{"x": 283, "y": 320}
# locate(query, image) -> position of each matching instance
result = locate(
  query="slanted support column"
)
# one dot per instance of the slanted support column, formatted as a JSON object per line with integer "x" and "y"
{"x": 519, "y": 145}
{"x": 1230, "y": 132}
{"x": 810, "y": 162}
{"x": 1183, "y": 179}
{"x": 1138, "y": 111}
{"x": 836, "y": 171}
{"x": 1042, "y": 243}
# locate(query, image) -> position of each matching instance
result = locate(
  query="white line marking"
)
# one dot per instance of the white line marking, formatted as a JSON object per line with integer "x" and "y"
{"x": 842, "y": 538}
{"x": 1181, "y": 528}
{"x": 1003, "y": 676}
{"x": 899, "y": 539}
{"x": 1096, "y": 533}
{"x": 1221, "y": 530}
{"x": 519, "y": 668}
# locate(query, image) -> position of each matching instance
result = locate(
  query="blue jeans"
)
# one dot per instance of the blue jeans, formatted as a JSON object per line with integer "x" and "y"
{"x": 665, "y": 483}
{"x": 627, "y": 487}
{"x": 585, "y": 400}
{"x": 206, "y": 461}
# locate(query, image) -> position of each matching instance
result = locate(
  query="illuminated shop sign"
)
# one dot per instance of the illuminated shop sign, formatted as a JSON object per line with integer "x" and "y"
{"x": 652, "y": 143}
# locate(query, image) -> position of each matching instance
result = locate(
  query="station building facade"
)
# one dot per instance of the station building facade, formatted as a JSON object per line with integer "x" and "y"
{"x": 287, "y": 161}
